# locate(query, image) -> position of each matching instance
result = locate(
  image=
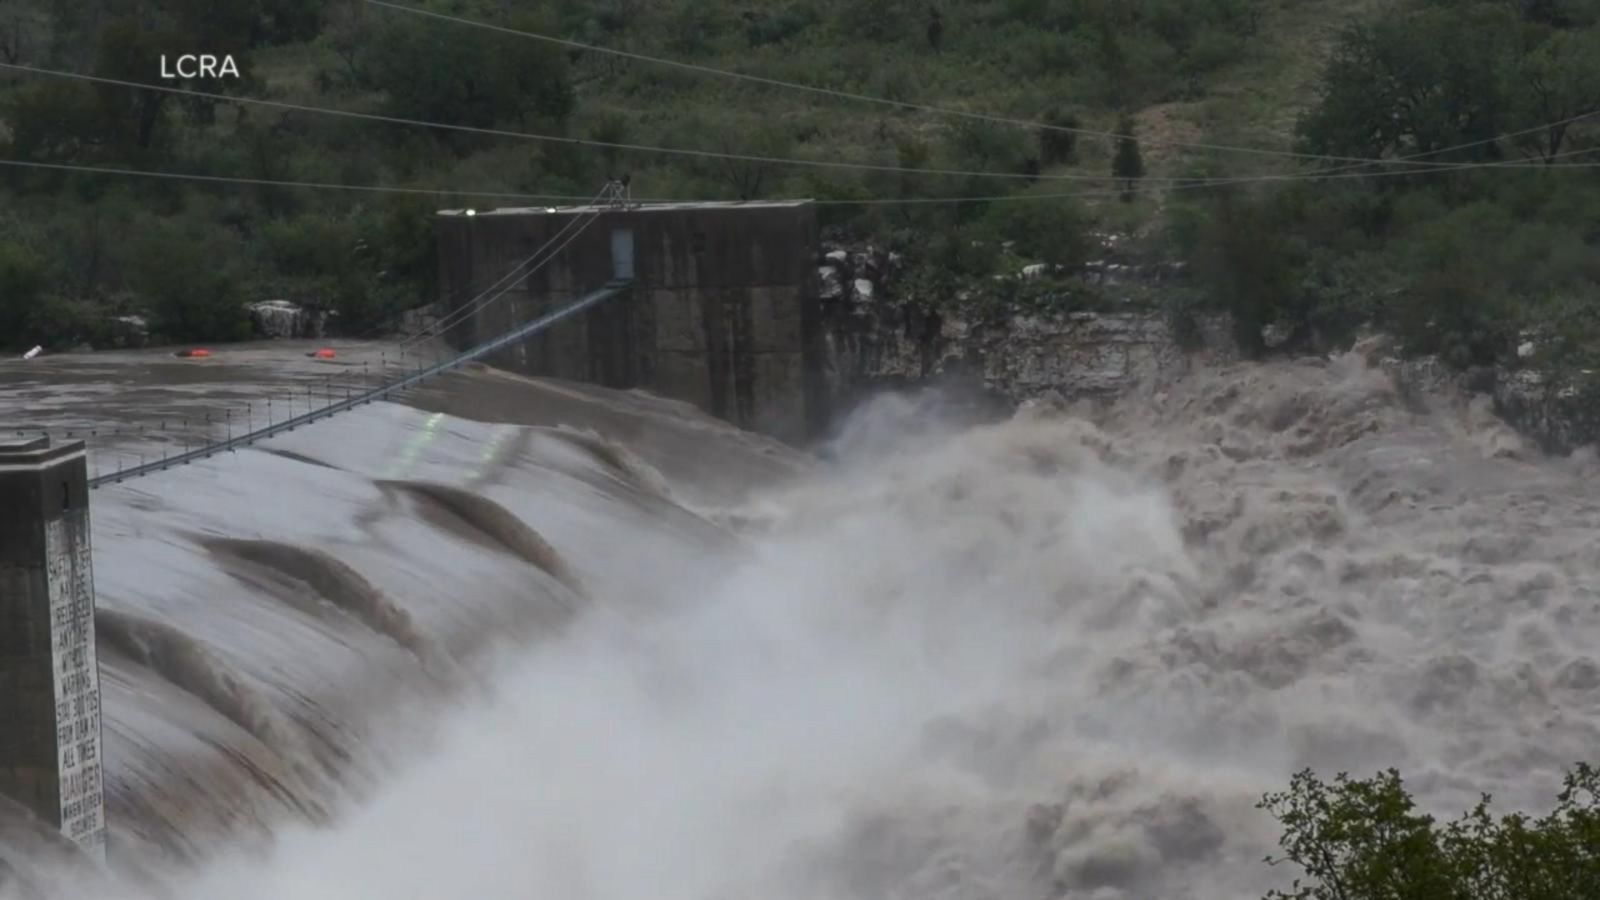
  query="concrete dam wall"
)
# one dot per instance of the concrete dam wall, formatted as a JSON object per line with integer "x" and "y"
{"x": 722, "y": 313}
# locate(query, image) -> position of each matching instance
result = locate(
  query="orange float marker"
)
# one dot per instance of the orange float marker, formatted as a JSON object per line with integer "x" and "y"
{"x": 324, "y": 353}
{"x": 194, "y": 354}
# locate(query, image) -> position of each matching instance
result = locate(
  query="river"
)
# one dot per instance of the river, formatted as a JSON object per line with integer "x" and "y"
{"x": 510, "y": 638}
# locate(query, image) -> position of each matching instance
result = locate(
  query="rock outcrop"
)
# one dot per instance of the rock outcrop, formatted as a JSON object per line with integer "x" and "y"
{"x": 421, "y": 320}
{"x": 876, "y": 337}
{"x": 1554, "y": 412}
{"x": 285, "y": 319}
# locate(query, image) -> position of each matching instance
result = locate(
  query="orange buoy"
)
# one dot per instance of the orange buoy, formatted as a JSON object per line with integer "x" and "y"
{"x": 194, "y": 354}
{"x": 324, "y": 353}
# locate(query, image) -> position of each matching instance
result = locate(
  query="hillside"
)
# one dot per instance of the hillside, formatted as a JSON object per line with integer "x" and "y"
{"x": 1319, "y": 257}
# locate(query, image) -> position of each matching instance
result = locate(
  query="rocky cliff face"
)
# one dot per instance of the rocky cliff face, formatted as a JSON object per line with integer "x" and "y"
{"x": 876, "y": 338}
{"x": 1547, "y": 410}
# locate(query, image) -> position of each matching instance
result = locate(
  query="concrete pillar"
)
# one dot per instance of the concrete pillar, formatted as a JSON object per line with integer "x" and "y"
{"x": 49, "y": 676}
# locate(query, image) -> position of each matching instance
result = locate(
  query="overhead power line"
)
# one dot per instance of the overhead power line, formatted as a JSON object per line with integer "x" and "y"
{"x": 1494, "y": 139}
{"x": 1413, "y": 160}
{"x": 268, "y": 182}
{"x": 395, "y": 120}
{"x": 553, "y": 138}
{"x": 1340, "y": 174}
{"x": 1138, "y": 187}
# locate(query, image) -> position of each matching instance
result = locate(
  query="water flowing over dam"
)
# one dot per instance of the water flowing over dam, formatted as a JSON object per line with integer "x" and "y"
{"x": 517, "y": 638}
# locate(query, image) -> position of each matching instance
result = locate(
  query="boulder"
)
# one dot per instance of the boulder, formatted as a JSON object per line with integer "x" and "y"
{"x": 832, "y": 285}
{"x": 285, "y": 319}
{"x": 419, "y": 321}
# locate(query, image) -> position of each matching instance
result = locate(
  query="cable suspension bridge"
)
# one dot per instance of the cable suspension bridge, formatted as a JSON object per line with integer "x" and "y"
{"x": 615, "y": 197}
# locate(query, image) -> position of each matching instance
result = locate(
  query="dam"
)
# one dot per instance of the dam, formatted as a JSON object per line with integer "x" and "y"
{"x": 723, "y": 313}
{"x": 579, "y": 624}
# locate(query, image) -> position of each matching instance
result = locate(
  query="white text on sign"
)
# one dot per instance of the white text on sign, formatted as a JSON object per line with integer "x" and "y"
{"x": 199, "y": 65}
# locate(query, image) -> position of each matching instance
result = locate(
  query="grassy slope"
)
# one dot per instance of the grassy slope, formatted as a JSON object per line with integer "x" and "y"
{"x": 1252, "y": 102}
{"x": 1256, "y": 102}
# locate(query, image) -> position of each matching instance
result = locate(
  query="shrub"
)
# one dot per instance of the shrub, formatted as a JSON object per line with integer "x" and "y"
{"x": 1457, "y": 303}
{"x": 948, "y": 260}
{"x": 1245, "y": 262}
{"x": 22, "y": 282}
{"x": 1366, "y": 840}
{"x": 188, "y": 279}
{"x": 1044, "y": 230}
{"x": 364, "y": 301}
{"x": 1058, "y": 147}
{"x": 981, "y": 146}
{"x": 777, "y": 26}
{"x": 476, "y": 78}
{"x": 310, "y": 246}
{"x": 1127, "y": 164}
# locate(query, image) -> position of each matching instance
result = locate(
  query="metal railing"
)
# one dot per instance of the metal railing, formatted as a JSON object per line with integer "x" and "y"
{"x": 382, "y": 392}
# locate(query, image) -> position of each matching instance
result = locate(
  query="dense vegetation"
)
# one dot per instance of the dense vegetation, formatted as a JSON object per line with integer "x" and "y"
{"x": 1459, "y": 263}
{"x": 1364, "y": 839}
{"x": 1455, "y": 262}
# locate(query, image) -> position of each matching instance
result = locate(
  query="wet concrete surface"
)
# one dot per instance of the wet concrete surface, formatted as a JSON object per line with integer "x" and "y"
{"x": 136, "y": 405}
{"x": 279, "y": 626}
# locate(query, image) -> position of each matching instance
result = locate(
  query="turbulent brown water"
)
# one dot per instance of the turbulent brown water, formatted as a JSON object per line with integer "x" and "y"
{"x": 519, "y": 639}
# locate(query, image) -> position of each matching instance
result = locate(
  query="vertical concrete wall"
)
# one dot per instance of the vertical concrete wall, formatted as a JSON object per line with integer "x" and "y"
{"x": 723, "y": 312}
{"x": 49, "y": 676}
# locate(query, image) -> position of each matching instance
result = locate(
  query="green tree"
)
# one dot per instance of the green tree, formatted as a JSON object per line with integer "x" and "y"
{"x": 475, "y": 78}
{"x": 1363, "y": 839}
{"x": 1058, "y": 144}
{"x": 1127, "y": 163}
{"x": 1051, "y": 231}
{"x": 187, "y": 276}
{"x": 53, "y": 121}
{"x": 343, "y": 35}
{"x": 133, "y": 117}
{"x": 1358, "y": 840}
{"x": 1247, "y": 263}
{"x": 884, "y": 21}
{"x": 982, "y": 146}
{"x": 23, "y": 30}
{"x": 1458, "y": 300}
{"x": 775, "y": 26}
{"x": 1416, "y": 81}
{"x": 288, "y": 21}
{"x": 1554, "y": 84}
{"x": 63, "y": 120}
{"x": 749, "y": 179}
{"x": 911, "y": 154}
{"x": 692, "y": 29}
{"x": 22, "y": 282}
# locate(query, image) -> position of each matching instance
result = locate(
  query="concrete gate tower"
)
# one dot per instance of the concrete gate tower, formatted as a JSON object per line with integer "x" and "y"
{"x": 49, "y": 675}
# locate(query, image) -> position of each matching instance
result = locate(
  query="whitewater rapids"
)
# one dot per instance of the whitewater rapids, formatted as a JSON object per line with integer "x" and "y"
{"x": 451, "y": 649}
